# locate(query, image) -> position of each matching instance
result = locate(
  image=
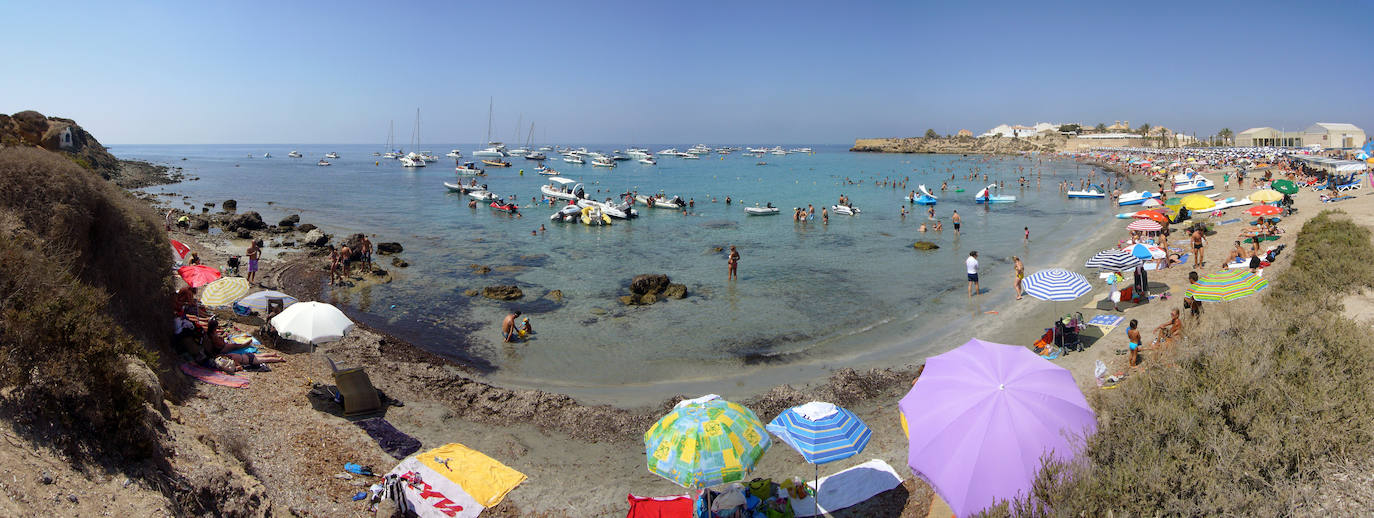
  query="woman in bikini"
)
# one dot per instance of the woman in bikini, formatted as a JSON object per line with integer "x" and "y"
{"x": 734, "y": 264}
{"x": 1020, "y": 274}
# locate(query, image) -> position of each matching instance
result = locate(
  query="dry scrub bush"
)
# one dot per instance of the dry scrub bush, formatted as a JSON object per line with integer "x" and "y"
{"x": 1263, "y": 394}
{"x": 82, "y": 281}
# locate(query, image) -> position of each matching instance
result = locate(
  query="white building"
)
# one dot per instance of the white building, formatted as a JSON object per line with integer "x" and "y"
{"x": 1333, "y": 135}
{"x": 1018, "y": 131}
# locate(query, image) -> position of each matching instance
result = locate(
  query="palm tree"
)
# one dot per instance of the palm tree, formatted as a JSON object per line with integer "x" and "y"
{"x": 930, "y": 133}
{"x": 1100, "y": 127}
{"x": 1225, "y": 135}
{"x": 1144, "y": 129}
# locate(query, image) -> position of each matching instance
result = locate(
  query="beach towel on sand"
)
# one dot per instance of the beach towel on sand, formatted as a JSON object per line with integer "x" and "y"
{"x": 393, "y": 441}
{"x": 849, "y": 487}
{"x": 213, "y": 377}
{"x": 660, "y": 507}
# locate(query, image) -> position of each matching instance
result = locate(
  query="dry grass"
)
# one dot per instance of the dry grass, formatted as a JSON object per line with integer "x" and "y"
{"x": 83, "y": 272}
{"x": 1263, "y": 395}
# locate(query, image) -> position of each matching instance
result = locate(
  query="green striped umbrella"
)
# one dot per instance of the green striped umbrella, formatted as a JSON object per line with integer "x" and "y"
{"x": 705, "y": 442}
{"x": 1226, "y": 285}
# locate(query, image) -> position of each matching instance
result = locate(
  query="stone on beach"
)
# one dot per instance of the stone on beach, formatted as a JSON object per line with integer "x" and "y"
{"x": 247, "y": 221}
{"x": 229, "y": 205}
{"x": 502, "y": 292}
{"x": 305, "y": 228}
{"x": 315, "y": 238}
{"x": 290, "y": 221}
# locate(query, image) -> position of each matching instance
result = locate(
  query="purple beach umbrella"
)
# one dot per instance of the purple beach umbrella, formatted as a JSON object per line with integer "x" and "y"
{"x": 982, "y": 416}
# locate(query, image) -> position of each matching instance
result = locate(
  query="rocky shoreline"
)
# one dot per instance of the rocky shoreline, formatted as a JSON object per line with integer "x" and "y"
{"x": 959, "y": 145}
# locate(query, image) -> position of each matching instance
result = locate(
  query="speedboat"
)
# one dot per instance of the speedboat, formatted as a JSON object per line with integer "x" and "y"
{"x": 1093, "y": 191}
{"x": 504, "y": 206}
{"x": 407, "y": 161}
{"x": 603, "y": 162}
{"x": 659, "y": 202}
{"x": 568, "y": 213}
{"x": 563, "y": 189}
{"x": 1135, "y": 197}
{"x": 495, "y": 149}
{"x": 520, "y": 152}
{"x": 468, "y": 169}
{"x": 483, "y": 195}
{"x": 984, "y": 196}
{"x": 294, "y": 154}
{"x": 1197, "y": 184}
{"x": 648, "y": 160}
{"x": 610, "y": 208}
{"x": 537, "y": 155}
{"x": 496, "y": 163}
{"x": 574, "y": 159}
{"x": 332, "y": 155}
{"x": 267, "y": 155}
{"x": 546, "y": 171}
{"x": 594, "y": 216}
{"x": 761, "y": 211}
{"x": 689, "y": 156}
{"x": 392, "y": 155}
{"x": 322, "y": 163}
{"x": 454, "y": 153}
{"x": 844, "y": 210}
{"x": 459, "y": 187}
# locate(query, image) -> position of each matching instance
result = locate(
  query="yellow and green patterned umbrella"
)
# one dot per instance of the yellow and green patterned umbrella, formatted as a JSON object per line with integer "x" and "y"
{"x": 1226, "y": 285}
{"x": 223, "y": 292}
{"x": 705, "y": 442}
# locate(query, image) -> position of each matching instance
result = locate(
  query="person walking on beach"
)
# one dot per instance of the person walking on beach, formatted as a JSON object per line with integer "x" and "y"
{"x": 1198, "y": 241}
{"x": 254, "y": 253}
{"x": 733, "y": 263}
{"x": 956, "y": 220}
{"x": 971, "y": 264}
{"x": 1020, "y": 275}
{"x": 1133, "y": 336}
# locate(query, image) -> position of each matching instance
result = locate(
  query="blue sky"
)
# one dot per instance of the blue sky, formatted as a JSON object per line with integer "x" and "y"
{"x": 676, "y": 72}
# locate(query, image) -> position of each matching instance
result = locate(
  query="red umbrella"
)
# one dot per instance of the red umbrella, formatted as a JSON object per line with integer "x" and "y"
{"x": 198, "y": 275}
{"x": 180, "y": 251}
{"x": 1264, "y": 210}
{"x": 1152, "y": 215}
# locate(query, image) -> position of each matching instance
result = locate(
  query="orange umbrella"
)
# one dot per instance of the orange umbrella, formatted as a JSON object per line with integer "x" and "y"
{"x": 198, "y": 275}
{"x": 1152, "y": 215}
{"x": 1264, "y": 210}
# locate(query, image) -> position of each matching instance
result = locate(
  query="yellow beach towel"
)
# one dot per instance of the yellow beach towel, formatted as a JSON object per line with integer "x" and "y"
{"x": 481, "y": 477}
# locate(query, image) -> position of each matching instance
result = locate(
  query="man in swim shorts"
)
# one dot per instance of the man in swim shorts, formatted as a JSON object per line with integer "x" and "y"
{"x": 254, "y": 253}
{"x": 971, "y": 264}
{"x": 508, "y": 331}
{"x": 955, "y": 218}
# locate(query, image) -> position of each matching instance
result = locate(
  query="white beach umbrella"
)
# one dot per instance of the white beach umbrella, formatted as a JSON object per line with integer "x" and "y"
{"x": 312, "y": 322}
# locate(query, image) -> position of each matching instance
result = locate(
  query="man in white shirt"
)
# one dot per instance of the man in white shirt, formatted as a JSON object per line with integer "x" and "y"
{"x": 972, "y": 265}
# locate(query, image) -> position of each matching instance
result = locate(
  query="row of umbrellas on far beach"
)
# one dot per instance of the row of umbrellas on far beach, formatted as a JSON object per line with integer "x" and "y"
{"x": 978, "y": 422}
{"x": 308, "y": 322}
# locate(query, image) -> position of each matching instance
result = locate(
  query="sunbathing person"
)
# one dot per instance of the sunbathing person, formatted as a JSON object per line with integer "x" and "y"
{"x": 215, "y": 346}
{"x": 1169, "y": 329}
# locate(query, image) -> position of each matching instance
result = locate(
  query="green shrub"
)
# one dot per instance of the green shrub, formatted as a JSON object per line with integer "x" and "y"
{"x": 1264, "y": 393}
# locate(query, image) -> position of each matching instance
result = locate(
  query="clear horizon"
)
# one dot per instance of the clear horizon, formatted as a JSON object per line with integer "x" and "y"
{"x": 796, "y": 72}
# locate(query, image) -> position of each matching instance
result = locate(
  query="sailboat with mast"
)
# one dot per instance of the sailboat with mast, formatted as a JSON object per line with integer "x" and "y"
{"x": 519, "y": 151}
{"x": 414, "y": 159}
{"x": 391, "y": 151}
{"x": 529, "y": 140}
{"x": 494, "y": 148}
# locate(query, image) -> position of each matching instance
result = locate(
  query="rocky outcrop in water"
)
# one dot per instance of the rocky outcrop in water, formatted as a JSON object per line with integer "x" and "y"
{"x": 506, "y": 293}
{"x": 650, "y": 288}
{"x": 925, "y": 245}
{"x": 389, "y": 248}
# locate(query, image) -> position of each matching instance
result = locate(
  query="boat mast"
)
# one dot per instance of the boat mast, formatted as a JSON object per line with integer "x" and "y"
{"x": 518, "y": 122}
{"x": 489, "y": 102}
{"x": 529, "y": 138}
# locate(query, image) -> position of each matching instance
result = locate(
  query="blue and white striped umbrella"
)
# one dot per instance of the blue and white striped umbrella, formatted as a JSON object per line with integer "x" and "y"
{"x": 821, "y": 432}
{"x": 1113, "y": 260}
{"x": 1056, "y": 284}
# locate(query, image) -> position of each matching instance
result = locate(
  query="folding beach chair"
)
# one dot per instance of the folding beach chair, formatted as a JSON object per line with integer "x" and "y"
{"x": 356, "y": 390}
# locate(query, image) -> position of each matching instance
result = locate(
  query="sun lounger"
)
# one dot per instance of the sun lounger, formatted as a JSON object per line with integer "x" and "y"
{"x": 359, "y": 396}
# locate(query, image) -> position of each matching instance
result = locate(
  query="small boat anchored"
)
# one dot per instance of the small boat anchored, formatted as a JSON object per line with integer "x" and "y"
{"x": 756, "y": 210}
{"x": 985, "y": 196}
{"x": 322, "y": 163}
{"x": 496, "y": 163}
{"x": 468, "y": 169}
{"x": 1093, "y": 191}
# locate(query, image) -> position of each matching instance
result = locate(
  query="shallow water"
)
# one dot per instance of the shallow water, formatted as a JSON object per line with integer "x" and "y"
{"x": 810, "y": 297}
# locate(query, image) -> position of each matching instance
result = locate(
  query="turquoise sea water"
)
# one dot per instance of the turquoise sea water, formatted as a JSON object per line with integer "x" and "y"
{"x": 810, "y": 297}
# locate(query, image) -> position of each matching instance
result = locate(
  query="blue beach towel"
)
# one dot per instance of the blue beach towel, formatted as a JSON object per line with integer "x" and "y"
{"x": 1229, "y": 221}
{"x": 1106, "y": 320}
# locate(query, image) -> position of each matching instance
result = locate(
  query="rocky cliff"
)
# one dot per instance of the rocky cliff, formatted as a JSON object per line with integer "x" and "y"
{"x": 66, "y": 137}
{"x": 957, "y": 145}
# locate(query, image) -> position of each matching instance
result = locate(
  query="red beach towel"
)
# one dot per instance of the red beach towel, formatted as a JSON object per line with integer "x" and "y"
{"x": 214, "y": 377}
{"x": 660, "y": 507}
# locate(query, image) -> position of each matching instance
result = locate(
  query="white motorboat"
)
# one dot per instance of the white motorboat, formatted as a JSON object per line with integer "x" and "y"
{"x": 546, "y": 171}
{"x": 637, "y": 153}
{"x": 1135, "y": 197}
{"x": 574, "y": 159}
{"x": 560, "y": 188}
{"x": 660, "y": 202}
{"x": 331, "y": 155}
{"x": 322, "y": 163}
{"x": 756, "y": 210}
{"x": 492, "y": 151}
{"x": 468, "y": 169}
{"x": 689, "y": 156}
{"x": 267, "y": 155}
{"x": 536, "y": 155}
{"x": 520, "y": 152}
{"x": 778, "y": 152}
{"x": 603, "y": 162}
{"x": 648, "y": 160}
{"x": 668, "y": 152}
{"x": 483, "y": 195}
{"x": 1093, "y": 191}
{"x": 569, "y": 213}
{"x": 844, "y": 210}
{"x": 459, "y": 187}
{"x": 407, "y": 161}
{"x": 454, "y": 153}
{"x": 294, "y": 154}
{"x": 594, "y": 216}
{"x": 393, "y": 155}
{"x": 610, "y": 208}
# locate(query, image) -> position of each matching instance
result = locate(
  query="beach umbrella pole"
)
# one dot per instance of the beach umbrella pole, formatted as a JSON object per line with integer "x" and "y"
{"x": 817, "y": 498}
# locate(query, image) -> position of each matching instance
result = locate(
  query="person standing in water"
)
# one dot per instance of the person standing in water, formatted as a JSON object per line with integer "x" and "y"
{"x": 733, "y": 263}
{"x": 956, "y": 220}
{"x": 971, "y": 264}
